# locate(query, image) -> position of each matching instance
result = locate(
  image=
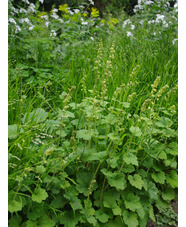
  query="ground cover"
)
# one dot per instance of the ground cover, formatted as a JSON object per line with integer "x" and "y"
{"x": 92, "y": 116}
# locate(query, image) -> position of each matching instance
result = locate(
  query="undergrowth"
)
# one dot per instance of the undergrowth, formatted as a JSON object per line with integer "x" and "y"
{"x": 92, "y": 122}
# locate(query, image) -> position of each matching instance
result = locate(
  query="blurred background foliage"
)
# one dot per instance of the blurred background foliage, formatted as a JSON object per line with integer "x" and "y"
{"x": 104, "y": 6}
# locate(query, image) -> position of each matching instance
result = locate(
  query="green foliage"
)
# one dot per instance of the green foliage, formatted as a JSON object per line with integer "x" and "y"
{"x": 104, "y": 153}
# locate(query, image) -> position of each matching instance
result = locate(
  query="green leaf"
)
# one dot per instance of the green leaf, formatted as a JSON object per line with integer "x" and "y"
{"x": 114, "y": 179}
{"x": 117, "y": 222}
{"x": 132, "y": 201}
{"x": 116, "y": 211}
{"x": 151, "y": 213}
{"x": 92, "y": 220}
{"x": 162, "y": 204}
{"x": 58, "y": 202}
{"x": 153, "y": 191}
{"x": 110, "y": 119}
{"x": 172, "y": 179}
{"x": 40, "y": 169}
{"x": 69, "y": 219}
{"x": 136, "y": 181}
{"x": 36, "y": 211}
{"x": 162, "y": 155}
{"x": 170, "y": 162}
{"x": 14, "y": 206}
{"x": 76, "y": 204}
{"x": 84, "y": 179}
{"x": 45, "y": 221}
{"x": 130, "y": 218}
{"x": 102, "y": 217}
{"x": 110, "y": 198}
{"x": 169, "y": 194}
{"x": 30, "y": 223}
{"x": 158, "y": 177}
{"x": 141, "y": 212}
{"x": 37, "y": 115}
{"x": 113, "y": 163}
{"x": 83, "y": 134}
{"x": 128, "y": 168}
{"x": 164, "y": 122}
{"x": 60, "y": 133}
{"x": 39, "y": 195}
{"x": 15, "y": 221}
{"x": 92, "y": 155}
{"x": 135, "y": 131}
{"x": 12, "y": 132}
{"x": 113, "y": 136}
{"x": 173, "y": 149}
{"x": 130, "y": 159}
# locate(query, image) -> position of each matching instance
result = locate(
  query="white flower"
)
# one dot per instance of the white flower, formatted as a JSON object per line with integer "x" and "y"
{"x": 151, "y": 21}
{"x": 141, "y": 22}
{"x": 71, "y": 12}
{"x": 176, "y": 5}
{"x": 126, "y": 22}
{"x": 41, "y": 1}
{"x": 18, "y": 29}
{"x": 92, "y": 38}
{"x": 23, "y": 11}
{"x": 44, "y": 17}
{"x": 15, "y": 10}
{"x": 76, "y": 10}
{"x": 55, "y": 16}
{"x": 166, "y": 25}
{"x": 159, "y": 18}
{"x": 12, "y": 20}
{"x": 47, "y": 23}
{"x": 31, "y": 27}
{"x": 26, "y": 1}
{"x": 154, "y": 33}
{"x": 22, "y": 20}
{"x": 62, "y": 21}
{"x": 31, "y": 8}
{"x": 84, "y": 23}
{"x": 132, "y": 27}
{"x": 53, "y": 33}
{"x": 55, "y": 10}
{"x": 91, "y": 2}
{"x": 129, "y": 34}
{"x": 148, "y": 2}
{"x": 173, "y": 41}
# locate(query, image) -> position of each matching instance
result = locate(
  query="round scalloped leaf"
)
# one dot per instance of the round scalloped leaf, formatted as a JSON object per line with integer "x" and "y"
{"x": 130, "y": 218}
{"x": 102, "y": 217}
{"x": 172, "y": 179}
{"x": 136, "y": 181}
{"x": 39, "y": 195}
{"x": 153, "y": 191}
{"x": 136, "y": 131}
{"x": 169, "y": 194}
{"x": 15, "y": 221}
{"x": 14, "y": 206}
{"x": 83, "y": 134}
{"x": 132, "y": 202}
{"x": 159, "y": 177}
{"x": 130, "y": 159}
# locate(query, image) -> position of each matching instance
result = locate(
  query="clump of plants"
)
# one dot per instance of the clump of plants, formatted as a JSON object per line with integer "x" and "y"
{"x": 94, "y": 163}
{"x": 92, "y": 127}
